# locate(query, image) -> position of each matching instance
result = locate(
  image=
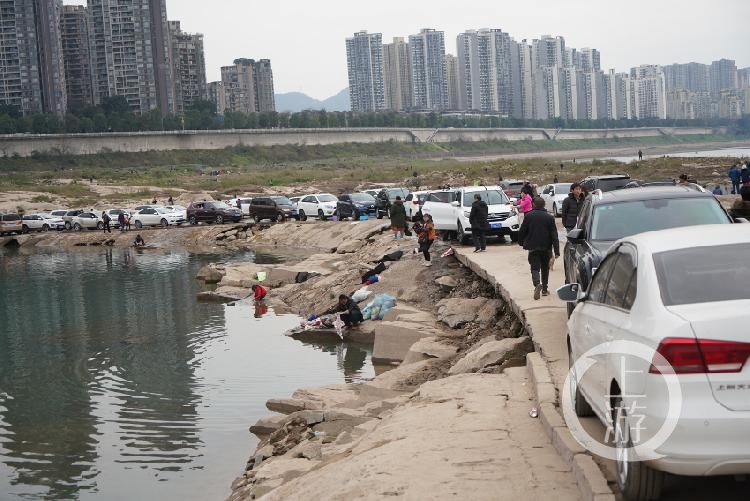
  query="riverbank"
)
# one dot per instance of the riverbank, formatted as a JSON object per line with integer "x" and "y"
{"x": 451, "y": 417}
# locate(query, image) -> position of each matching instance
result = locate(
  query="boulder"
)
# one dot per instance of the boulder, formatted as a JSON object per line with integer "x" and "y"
{"x": 487, "y": 314}
{"x": 427, "y": 348}
{"x": 210, "y": 274}
{"x": 350, "y": 247}
{"x": 224, "y": 294}
{"x": 266, "y": 426}
{"x": 285, "y": 405}
{"x": 307, "y": 450}
{"x": 284, "y": 469}
{"x": 393, "y": 340}
{"x": 456, "y": 313}
{"x": 447, "y": 282}
{"x": 394, "y": 379}
{"x": 503, "y": 353}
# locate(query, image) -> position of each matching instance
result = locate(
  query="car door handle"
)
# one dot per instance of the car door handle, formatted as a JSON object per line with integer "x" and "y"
{"x": 587, "y": 330}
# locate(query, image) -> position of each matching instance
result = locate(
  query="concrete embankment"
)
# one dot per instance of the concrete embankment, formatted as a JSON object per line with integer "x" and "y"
{"x": 452, "y": 417}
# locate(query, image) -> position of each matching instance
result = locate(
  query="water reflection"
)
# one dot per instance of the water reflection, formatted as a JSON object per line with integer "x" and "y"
{"x": 116, "y": 384}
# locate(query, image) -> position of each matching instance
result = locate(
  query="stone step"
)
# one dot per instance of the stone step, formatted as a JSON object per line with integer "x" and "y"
{"x": 393, "y": 340}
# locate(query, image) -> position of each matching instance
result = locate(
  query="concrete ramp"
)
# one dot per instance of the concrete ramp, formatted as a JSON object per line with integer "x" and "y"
{"x": 423, "y": 135}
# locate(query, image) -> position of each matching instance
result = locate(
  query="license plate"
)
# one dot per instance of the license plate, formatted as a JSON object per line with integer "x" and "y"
{"x": 496, "y": 226}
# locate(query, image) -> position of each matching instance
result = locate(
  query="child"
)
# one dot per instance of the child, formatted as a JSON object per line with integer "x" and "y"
{"x": 426, "y": 234}
{"x": 259, "y": 292}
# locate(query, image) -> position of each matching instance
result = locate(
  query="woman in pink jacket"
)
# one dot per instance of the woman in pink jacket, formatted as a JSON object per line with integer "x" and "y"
{"x": 524, "y": 205}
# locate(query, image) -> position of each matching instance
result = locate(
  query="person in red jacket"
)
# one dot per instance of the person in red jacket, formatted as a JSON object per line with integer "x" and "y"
{"x": 259, "y": 292}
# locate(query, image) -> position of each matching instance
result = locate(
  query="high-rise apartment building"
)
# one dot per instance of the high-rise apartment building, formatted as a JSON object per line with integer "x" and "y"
{"x": 397, "y": 75}
{"x": 548, "y": 51}
{"x": 467, "y": 48}
{"x": 649, "y": 92}
{"x": 454, "y": 91}
{"x": 217, "y": 95}
{"x": 590, "y": 60}
{"x": 188, "y": 67}
{"x": 32, "y": 77}
{"x": 364, "y": 57}
{"x": 486, "y": 70}
{"x": 131, "y": 56}
{"x": 618, "y": 96}
{"x": 248, "y": 86}
{"x": 568, "y": 83}
{"x": 525, "y": 82}
{"x": 429, "y": 78}
{"x": 723, "y": 75}
{"x": 74, "y": 29}
{"x": 694, "y": 77}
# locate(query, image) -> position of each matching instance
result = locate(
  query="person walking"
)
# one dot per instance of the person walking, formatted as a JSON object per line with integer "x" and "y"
{"x": 426, "y": 234}
{"x": 571, "y": 206}
{"x": 479, "y": 224}
{"x": 106, "y": 219}
{"x": 524, "y": 204}
{"x": 734, "y": 177}
{"x": 538, "y": 235}
{"x": 121, "y": 221}
{"x": 398, "y": 218}
{"x": 745, "y": 174}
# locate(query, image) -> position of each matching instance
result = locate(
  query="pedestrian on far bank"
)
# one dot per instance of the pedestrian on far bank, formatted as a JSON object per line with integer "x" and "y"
{"x": 479, "y": 223}
{"x": 106, "y": 219}
{"x": 538, "y": 235}
{"x": 555, "y": 179}
{"x": 398, "y": 218}
{"x": 640, "y": 155}
{"x": 734, "y": 177}
{"x": 745, "y": 174}
{"x": 153, "y": 202}
{"x": 170, "y": 200}
{"x": 571, "y": 206}
{"x": 426, "y": 234}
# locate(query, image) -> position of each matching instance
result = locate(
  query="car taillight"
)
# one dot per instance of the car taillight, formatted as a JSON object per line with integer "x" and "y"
{"x": 702, "y": 356}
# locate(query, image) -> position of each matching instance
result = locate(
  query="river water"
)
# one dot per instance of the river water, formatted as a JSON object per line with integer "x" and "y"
{"x": 116, "y": 384}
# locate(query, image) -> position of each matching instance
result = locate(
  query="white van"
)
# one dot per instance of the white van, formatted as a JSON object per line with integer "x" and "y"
{"x": 450, "y": 211}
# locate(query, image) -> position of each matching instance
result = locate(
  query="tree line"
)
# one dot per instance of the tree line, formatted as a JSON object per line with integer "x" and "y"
{"x": 114, "y": 115}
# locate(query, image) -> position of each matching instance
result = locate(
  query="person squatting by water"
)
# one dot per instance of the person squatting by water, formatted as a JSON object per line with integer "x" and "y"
{"x": 349, "y": 311}
{"x": 538, "y": 235}
{"x": 398, "y": 218}
{"x": 426, "y": 237}
{"x": 139, "y": 242}
{"x": 259, "y": 292}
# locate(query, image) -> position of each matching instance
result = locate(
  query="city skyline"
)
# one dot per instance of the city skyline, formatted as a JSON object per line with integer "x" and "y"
{"x": 627, "y": 37}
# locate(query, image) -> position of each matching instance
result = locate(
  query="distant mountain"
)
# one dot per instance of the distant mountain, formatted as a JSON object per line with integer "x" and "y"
{"x": 297, "y": 101}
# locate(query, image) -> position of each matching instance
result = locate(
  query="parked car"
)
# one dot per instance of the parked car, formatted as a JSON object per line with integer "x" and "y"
{"x": 512, "y": 188}
{"x": 323, "y": 205}
{"x": 354, "y": 205}
{"x": 453, "y": 214}
{"x": 554, "y": 195}
{"x": 68, "y": 217}
{"x": 274, "y": 208}
{"x": 87, "y": 221}
{"x": 605, "y": 183}
{"x": 212, "y": 212}
{"x": 156, "y": 216}
{"x": 179, "y": 210}
{"x": 242, "y": 203}
{"x": 295, "y": 207}
{"x": 114, "y": 214}
{"x": 385, "y": 199}
{"x": 41, "y": 222}
{"x": 684, "y": 294}
{"x": 10, "y": 223}
{"x": 413, "y": 204}
{"x": 59, "y": 213}
{"x": 608, "y": 217}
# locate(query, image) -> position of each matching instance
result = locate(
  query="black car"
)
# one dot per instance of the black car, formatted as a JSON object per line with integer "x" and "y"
{"x": 385, "y": 199}
{"x": 354, "y": 205}
{"x": 274, "y": 208}
{"x": 609, "y": 216}
{"x": 605, "y": 183}
{"x": 212, "y": 212}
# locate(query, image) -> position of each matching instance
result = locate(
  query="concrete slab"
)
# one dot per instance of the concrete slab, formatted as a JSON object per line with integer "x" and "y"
{"x": 393, "y": 340}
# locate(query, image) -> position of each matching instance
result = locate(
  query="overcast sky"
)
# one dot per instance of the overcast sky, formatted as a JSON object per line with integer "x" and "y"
{"x": 305, "y": 38}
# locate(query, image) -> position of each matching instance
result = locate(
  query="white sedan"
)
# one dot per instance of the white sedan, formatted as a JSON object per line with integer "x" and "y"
{"x": 156, "y": 216}
{"x": 322, "y": 205}
{"x": 42, "y": 222}
{"x": 179, "y": 210}
{"x": 683, "y": 295}
{"x": 555, "y": 194}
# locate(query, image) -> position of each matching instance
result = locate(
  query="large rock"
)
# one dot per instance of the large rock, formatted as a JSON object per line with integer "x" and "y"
{"x": 350, "y": 247}
{"x": 427, "y": 348}
{"x": 456, "y": 313}
{"x": 487, "y": 314}
{"x": 291, "y": 405}
{"x": 394, "y": 379}
{"x": 393, "y": 340}
{"x": 447, "y": 282}
{"x": 224, "y": 294}
{"x": 504, "y": 353}
{"x": 266, "y": 426}
{"x": 210, "y": 274}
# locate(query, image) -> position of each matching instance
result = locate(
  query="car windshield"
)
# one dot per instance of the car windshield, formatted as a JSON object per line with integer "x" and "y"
{"x": 327, "y": 198}
{"x": 703, "y": 274}
{"x": 361, "y": 197}
{"x": 612, "y": 184}
{"x": 282, "y": 200}
{"x": 397, "y": 192}
{"x": 618, "y": 220}
{"x": 491, "y": 197}
{"x": 562, "y": 188}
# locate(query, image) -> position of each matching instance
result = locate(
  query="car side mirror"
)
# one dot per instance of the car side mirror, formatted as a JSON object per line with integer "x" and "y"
{"x": 576, "y": 235}
{"x": 571, "y": 293}
{"x": 454, "y": 204}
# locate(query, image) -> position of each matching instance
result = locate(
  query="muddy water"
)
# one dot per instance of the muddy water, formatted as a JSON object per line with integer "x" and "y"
{"x": 116, "y": 384}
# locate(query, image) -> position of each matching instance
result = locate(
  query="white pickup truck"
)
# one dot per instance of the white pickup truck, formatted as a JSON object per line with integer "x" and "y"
{"x": 450, "y": 211}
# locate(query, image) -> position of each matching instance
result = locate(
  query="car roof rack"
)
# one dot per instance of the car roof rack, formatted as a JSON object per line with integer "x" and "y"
{"x": 696, "y": 187}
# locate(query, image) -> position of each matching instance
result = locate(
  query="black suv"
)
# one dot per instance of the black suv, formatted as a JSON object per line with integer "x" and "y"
{"x": 274, "y": 208}
{"x": 385, "y": 199}
{"x": 605, "y": 183}
{"x": 212, "y": 212}
{"x": 354, "y": 205}
{"x": 608, "y": 217}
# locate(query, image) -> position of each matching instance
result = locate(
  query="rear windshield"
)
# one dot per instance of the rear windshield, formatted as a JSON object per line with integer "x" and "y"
{"x": 327, "y": 198}
{"x": 440, "y": 196}
{"x": 361, "y": 197}
{"x": 282, "y": 200}
{"x": 492, "y": 197}
{"x": 619, "y": 220}
{"x": 11, "y": 217}
{"x": 397, "y": 192}
{"x": 612, "y": 184}
{"x": 703, "y": 274}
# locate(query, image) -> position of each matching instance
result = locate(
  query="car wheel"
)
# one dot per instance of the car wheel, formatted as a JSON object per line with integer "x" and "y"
{"x": 581, "y": 406}
{"x": 321, "y": 216}
{"x": 77, "y": 227}
{"x": 67, "y": 226}
{"x": 463, "y": 237}
{"x": 138, "y": 225}
{"x": 193, "y": 220}
{"x": 302, "y": 216}
{"x": 24, "y": 229}
{"x": 554, "y": 210}
{"x": 257, "y": 219}
{"x": 355, "y": 215}
{"x": 514, "y": 237}
{"x": 219, "y": 219}
{"x": 637, "y": 481}
{"x": 380, "y": 214}
{"x": 100, "y": 226}
{"x": 279, "y": 218}
{"x": 164, "y": 223}
{"x": 45, "y": 227}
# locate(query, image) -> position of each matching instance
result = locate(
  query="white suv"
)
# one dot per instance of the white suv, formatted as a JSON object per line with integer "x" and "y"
{"x": 450, "y": 211}
{"x": 682, "y": 294}
{"x": 322, "y": 205}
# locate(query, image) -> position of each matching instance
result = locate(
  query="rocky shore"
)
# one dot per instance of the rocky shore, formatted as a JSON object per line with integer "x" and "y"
{"x": 451, "y": 415}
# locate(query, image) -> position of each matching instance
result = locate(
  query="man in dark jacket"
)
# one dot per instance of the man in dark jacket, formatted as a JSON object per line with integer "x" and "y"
{"x": 734, "y": 177}
{"x": 572, "y": 206}
{"x": 479, "y": 224}
{"x": 538, "y": 235}
{"x": 350, "y": 312}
